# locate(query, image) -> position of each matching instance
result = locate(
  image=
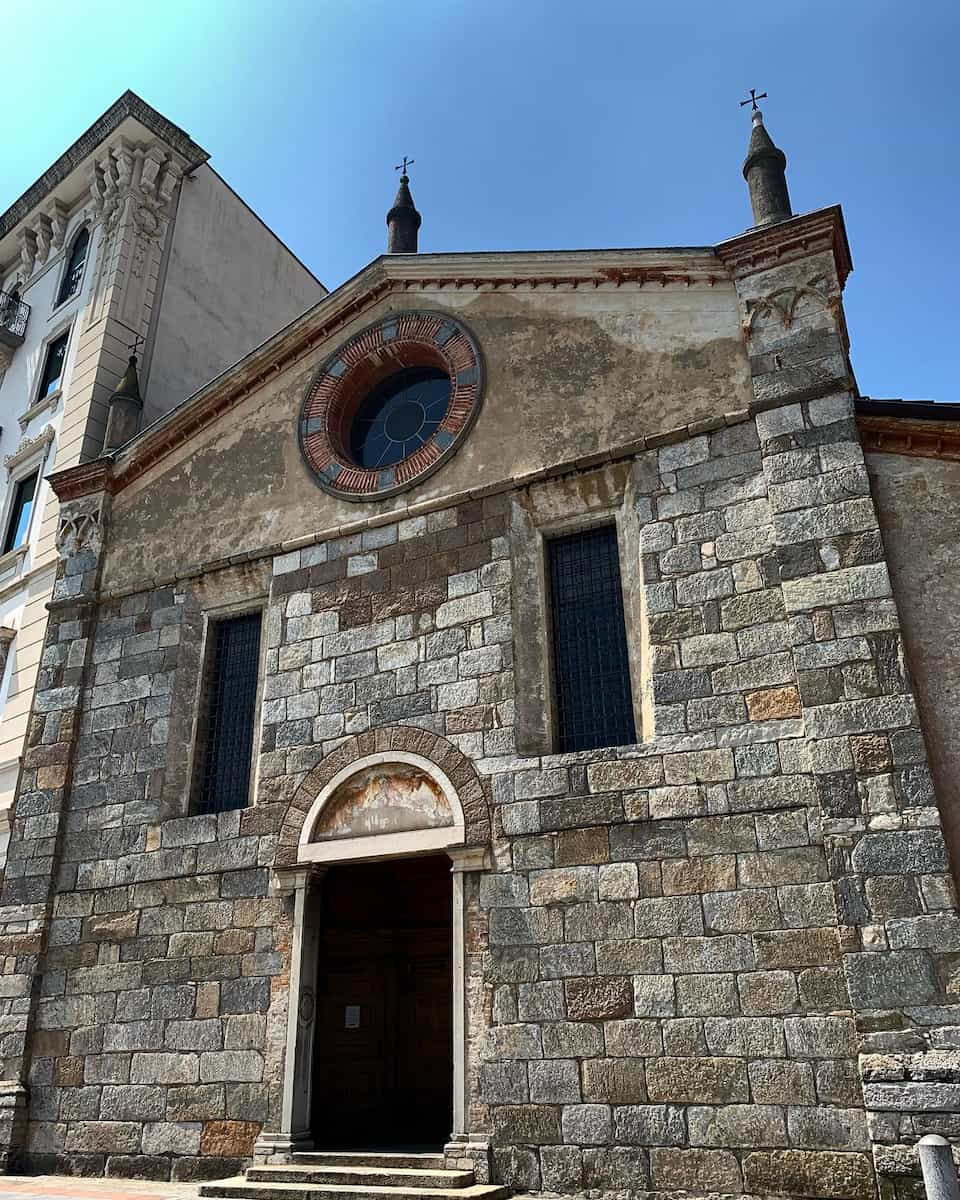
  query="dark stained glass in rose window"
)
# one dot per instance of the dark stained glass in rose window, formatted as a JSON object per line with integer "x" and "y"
{"x": 398, "y": 416}
{"x": 591, "y": 670}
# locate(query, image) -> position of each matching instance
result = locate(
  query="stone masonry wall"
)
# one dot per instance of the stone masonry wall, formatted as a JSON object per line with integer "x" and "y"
{"x": 685, "y": 944}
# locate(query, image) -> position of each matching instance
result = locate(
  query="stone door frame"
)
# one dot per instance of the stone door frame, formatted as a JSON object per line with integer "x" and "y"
{"x": 301, "y": 882}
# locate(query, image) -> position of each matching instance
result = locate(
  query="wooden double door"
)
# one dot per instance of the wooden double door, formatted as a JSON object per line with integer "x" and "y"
{"x": 383, "y": 1061}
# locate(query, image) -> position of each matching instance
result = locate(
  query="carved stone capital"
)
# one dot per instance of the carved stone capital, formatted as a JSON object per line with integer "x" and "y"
{"x": 28, "y": 251}
{"x": 783, "y": 307}
{"x": 44, "y": 232}
{"x": 57, "y": 215}
{"x": 468, "y": 858}
{"x": 135, "y": 183}
{"x": 286, "y": 881}
{"x": 81, "y": 527}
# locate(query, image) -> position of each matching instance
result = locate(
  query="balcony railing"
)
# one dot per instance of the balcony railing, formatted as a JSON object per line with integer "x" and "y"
{"x": 14, "y": 315}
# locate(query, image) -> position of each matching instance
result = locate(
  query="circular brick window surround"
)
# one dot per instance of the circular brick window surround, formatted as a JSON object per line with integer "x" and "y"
{"x": 374, "y": 363}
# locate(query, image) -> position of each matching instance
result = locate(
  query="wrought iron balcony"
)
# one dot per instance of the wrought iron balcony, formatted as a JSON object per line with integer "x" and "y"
{"x": 14, "y": 315}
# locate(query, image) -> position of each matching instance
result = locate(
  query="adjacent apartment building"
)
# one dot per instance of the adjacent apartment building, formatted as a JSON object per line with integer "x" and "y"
{"x": 130, "y": 241}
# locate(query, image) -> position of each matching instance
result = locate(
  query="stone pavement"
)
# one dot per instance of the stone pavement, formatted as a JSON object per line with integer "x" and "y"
{"x": 65, "y": 1187}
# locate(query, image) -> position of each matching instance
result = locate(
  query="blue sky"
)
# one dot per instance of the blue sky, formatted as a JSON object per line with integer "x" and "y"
{"x": 540, "y": 124}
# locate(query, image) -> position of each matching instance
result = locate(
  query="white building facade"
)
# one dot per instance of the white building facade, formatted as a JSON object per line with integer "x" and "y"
{"x": 129, "y": 241}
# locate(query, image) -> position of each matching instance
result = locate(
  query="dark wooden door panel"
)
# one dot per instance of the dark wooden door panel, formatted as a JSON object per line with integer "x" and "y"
{"x": 384, "y": 1062}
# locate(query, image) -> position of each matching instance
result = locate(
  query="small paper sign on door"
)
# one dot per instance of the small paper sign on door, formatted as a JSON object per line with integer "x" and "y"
{"x": 352, "y": 1016}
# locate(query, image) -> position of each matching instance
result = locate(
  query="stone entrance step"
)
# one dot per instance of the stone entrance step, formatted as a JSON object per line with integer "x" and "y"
{"x": 354, "y": 1176}
{"x": 240, "y": 1189}
{"x": 369, "y": 1158}
{"x": 357, "y": 1175}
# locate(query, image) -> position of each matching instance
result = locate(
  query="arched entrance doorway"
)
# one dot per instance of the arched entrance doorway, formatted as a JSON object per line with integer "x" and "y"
{"x": 376, "y": 855}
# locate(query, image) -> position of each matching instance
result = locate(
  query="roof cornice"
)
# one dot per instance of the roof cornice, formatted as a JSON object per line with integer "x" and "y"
{"x": 772, "y": 245}
{"x": 84, "y": 480}
{"x": 399, "y": 274}
{"x": 911, "y": 438}
{"x": 129, "y": 105}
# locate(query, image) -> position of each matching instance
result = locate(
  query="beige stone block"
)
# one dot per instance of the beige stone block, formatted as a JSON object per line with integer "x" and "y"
{"x": 689, "y": 876}
{"x": 698, "y": 1080}
{"x": 773, "y": 704}
{"x": 229, "y": 1139}
{"x": 694, "y": 1170}
{"x": 810, "y": 1173}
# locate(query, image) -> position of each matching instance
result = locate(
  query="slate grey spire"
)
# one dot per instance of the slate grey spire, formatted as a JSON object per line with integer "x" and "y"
{"x": 764, "y": 169}
{"x": 403, "y": 220}
{"x": 123, "y": 409}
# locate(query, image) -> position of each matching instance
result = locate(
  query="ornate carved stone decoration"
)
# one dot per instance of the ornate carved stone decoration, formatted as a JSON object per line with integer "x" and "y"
{"x": 58, "y": 223}
{"x": 131, "y": 189}
{"x": 29, "y": 446}
{"x": 134, "y": 181}
{"x": 81, "y": 527}
{"x": 28, "y": 251}
{"x": 44, "y": 232}
{"x": 786, "y": 305}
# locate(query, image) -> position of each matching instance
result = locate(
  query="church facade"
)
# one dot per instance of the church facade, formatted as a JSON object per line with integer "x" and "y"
{"x": 482, "y": 721}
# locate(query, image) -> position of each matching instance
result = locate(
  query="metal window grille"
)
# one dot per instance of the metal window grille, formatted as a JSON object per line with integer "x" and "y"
{"x": 228, "y": 718}
{"x": 591, "y": 670}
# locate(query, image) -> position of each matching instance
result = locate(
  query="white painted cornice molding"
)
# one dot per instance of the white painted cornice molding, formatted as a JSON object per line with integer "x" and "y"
{"x": 29, "y": 448}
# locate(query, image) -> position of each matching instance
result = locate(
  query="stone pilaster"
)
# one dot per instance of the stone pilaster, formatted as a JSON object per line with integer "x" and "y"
{"x": 302, "y": 887}
{"x": 895, "y": 900}
{"x": 33, "y": 863}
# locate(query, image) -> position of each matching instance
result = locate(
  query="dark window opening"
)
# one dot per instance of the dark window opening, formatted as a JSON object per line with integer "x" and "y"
{"x": 53, "y": 366}
{"x": 19, "y": 521}
{"x": 591, "y": 670}
{"x": 399, "y": 416}
{"x": 228, "y": 714}
{"x": 70, "y": 283}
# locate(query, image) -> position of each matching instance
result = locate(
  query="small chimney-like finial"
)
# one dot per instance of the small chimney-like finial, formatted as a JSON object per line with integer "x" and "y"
{"x": 765, "y": 170}
{"x": 403, "y": 220}
{"x": 125, "y": 405}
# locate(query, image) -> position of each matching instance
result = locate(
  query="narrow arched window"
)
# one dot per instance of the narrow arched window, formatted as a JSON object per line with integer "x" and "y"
{"x": 70, "y": 283}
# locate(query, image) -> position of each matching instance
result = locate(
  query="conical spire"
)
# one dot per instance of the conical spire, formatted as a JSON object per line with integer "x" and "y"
{"x": 764, "y": 169}
{"x": 403, "y": 220}
{"x": 124, "y": 408}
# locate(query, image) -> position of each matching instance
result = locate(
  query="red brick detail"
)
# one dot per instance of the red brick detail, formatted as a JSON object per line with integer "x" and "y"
{"x": 358, "y": 365}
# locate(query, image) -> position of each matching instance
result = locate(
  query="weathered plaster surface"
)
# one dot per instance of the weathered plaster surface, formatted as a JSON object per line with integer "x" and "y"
{"x": 918, "y": 501}
{"x": 569, "y": 374}
{"x": 383, "y": 800}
